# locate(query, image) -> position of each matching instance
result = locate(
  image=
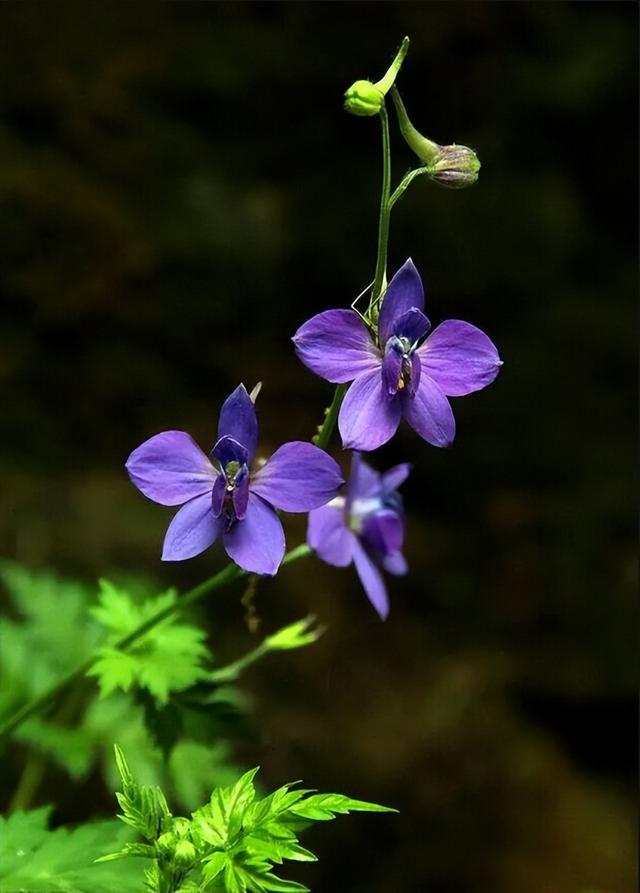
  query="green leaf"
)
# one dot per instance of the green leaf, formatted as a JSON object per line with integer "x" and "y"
{"x": 36, "y": 860}
{"x": 322, "y": 807}
{"x": 222, "y": 818}
{"x": 144, "y": 808}
{"x": 167, "y": 658}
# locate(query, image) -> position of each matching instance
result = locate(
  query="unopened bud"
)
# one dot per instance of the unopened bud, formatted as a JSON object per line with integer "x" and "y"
{"x": 456, "y": 167}
{"x": 185, "y": 854}
{"x": 365, "y": 98}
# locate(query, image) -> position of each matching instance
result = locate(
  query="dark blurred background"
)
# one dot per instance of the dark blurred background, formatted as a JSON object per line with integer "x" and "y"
{"x": 180, "y": 190}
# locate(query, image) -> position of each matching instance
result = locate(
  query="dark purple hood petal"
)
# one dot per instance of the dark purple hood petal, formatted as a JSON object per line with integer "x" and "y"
{"x": 170, "y": 468}
{"x": 403, "y": 293}
{"x": 412, "y": 325}
{"x": 238, "y": 420}
{"x": 383, "y": 532}
{"x": 228, "y": 449}
{"x": 298, "y": 477}
{"x": 336, "y": 345}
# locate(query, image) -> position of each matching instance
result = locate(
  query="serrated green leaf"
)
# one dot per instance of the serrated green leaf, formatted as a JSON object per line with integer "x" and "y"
{"x": 36, "y": 860}
{"x": 167, "y": 658}
{"x": 214, "y": 865}
{"x": 322, "y": 807}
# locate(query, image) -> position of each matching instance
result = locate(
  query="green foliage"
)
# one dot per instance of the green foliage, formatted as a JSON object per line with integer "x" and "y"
{"x": 167, "y": 658}
{"x": 36, "y": 860}
{"x": 231, "y": 844}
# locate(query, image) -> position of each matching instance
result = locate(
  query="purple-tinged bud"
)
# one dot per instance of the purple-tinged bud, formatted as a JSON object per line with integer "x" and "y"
{"x": 455, "y": 167}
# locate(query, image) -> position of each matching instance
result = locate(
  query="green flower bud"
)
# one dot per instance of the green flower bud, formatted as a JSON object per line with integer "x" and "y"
{"x": 185, "y": 854}
{"x": 455, "y": 168}
{"x": 165, "y": 844}
{"x": 363, "y": 98}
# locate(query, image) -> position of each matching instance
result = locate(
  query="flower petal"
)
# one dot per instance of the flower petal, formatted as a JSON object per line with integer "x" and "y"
{"x": 392, "y": 365}
{"x": 193, "y": 529}
{"x": 403, "y": 292}
{"x": 412, "y": 325}
{"x": 298, "y": 477}
{"x": 336, "y": 345}
{"x": 238, "y": 420}
{"x": 460, "y": 358}
{"x": 364, "y": 481}
{"x": 328, "y": 535}
{"x": 170, "y": 468}
{"x": 240, "y": 495}
{"x": 383, "y": 532}
{"x": 429, "y": 414}
{"x": 368, "y": 416}
{"x": 227, "y": 449}
{"x": 257, "y": 542}
{"x": 371, "y": 580}
{"x": 396, "y": 476}
{"x": 395, "y": 564}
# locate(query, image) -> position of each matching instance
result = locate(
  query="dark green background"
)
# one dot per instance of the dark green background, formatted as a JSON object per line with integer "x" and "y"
{"x": 180, "y": 190}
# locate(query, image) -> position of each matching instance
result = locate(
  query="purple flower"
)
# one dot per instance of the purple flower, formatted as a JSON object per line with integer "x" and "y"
{"x": 398, "y": 375}
{"x": 221, "y": 496}
{"x": 366, "y": 527}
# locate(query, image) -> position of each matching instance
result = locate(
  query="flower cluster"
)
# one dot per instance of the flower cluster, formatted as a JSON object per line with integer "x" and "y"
{"x": 399, "y": 371}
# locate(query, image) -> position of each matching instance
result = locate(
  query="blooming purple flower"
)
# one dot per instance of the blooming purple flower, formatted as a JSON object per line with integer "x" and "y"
{"x": 397, "y": 375}
{"x": 366, "y": 527}
{"x": 221, "y": 496}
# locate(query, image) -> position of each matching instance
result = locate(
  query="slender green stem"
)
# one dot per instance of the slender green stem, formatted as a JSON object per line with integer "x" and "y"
{"x": 383, "y": 223}
{"x": 326, "y": 429}
{"x": 29, "y": 783}
{"x": 233, "y": 670}
{"x": 405, "y": 183}
{"x": 228, "y": 575}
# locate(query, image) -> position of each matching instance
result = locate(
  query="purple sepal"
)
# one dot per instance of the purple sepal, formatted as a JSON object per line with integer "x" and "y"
{"x": 460, "y": 358}
{"x": 336, "y": 345}
{"x": 256, "y": 543}
{"x": 394, "y": 477}
{"x": 395, "y": 564}
{"x": 403, "y": 293}
{"x": 298, "y": 477}
{"x": 192, "y": 530}
{"x": 429, "y": 414}
{"x": 170, "y": 468}
{"x": 238, "y": 420}
{"x": 364, "y": 481}
{"x": 368, "y": 416}
{"x": 371, "y": 580}
{"x": 328, "y": 535}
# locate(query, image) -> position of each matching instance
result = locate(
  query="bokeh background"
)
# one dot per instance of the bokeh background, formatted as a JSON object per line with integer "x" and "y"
{"x": 180, "y": 190}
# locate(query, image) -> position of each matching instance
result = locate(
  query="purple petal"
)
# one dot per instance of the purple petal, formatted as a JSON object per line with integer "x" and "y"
{"x": 298, "y": 477}
{"x": 460, "y": 358}
{"x": 240, "y": 496}
{"x": 412, "y": 382}
{"x": 392, "y": 365}
{"x": 227, "y": 449}
{"x": 383, "y": 532}
{"x": 170, "y": 468}
{"x": 429, "y": 414}
{"x": 218, "y": 495}
{"x": 238, "y": 420}
{"x": 395, "y": 563}
{"x": 396, "y": 476}
{"x": 336, "y": 345}
{"x": 404, "y": 292}
{"x": 193, "y": 529}
{"x": 412, "y": 325}
{"x": 371, "y": 580}
{"x": 368, "y": 416}
{"x": 256, "y": 543}
{"x": 328, "y": 535}
{"x": 364, "y": 481}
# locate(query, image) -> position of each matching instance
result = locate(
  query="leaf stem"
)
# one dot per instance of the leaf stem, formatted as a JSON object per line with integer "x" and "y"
{"x": 228, "y": 575}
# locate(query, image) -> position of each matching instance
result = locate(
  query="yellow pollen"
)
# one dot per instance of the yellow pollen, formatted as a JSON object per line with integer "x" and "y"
{"x": 400, "y": 383}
